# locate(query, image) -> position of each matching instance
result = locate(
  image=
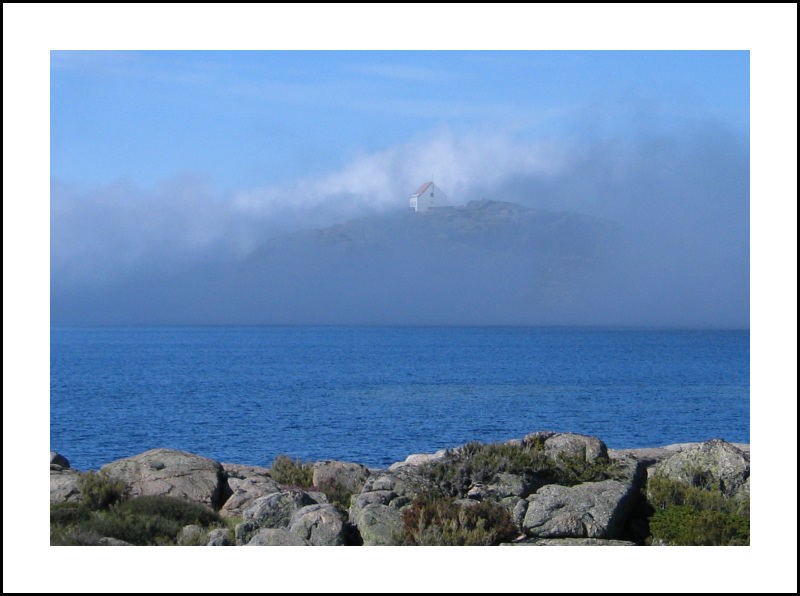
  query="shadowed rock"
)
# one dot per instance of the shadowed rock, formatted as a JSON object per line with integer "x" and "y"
{"x": 56, "y": 459}
{"x": 246, "y": 484}
{"x": 379, "y": 525}
{"x": 218, "y": 537}
{"x": 272, "y": 511}
{"x": 376, "y": 512}
{"x": 277, "y": 537}
{"x": 346, "y": 476}
{"x": 321, "y": 525}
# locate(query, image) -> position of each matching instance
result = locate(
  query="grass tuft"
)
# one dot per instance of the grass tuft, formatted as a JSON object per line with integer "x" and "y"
{"x": 292, "y": 473}
{"x": 439, "y": 521}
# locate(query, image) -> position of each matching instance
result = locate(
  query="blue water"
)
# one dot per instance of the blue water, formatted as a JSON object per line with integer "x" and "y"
{"x": 374, "y": 395}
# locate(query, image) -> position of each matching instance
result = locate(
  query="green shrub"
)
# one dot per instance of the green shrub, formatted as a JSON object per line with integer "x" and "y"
{"x": 182, "y": 512}
{"x": 569, "y": 471}
{"x": 140, "y": 530}
{"x": 683, "y": 525}
{"x": 292, "y": 473}
{"x": 686, "y": 515}
{"x": 439, "y": 521}
{"x": 65, "y": 514}
{"x": 663, "y": 492}
{"x": 339, "y": 496}
{"x": 480, "y": 463}
{"x": 146, "y": 521}
{"x": 100, "y": 491}
{"x": 72, "y": 536}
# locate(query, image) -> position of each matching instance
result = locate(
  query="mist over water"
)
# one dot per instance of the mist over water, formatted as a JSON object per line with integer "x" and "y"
{"x": 678, "y": 256}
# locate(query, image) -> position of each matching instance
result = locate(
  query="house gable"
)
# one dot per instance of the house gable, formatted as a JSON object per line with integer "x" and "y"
{"x": 427, "y": 196}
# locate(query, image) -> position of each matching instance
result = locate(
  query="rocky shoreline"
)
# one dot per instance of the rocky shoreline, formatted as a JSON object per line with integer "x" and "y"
{"x": 579, "y": 492}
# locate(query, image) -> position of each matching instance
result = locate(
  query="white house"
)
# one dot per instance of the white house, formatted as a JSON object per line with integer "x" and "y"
{"x": 428, "y": 195}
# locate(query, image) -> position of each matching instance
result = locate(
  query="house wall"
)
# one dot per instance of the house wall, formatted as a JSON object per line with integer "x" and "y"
{"x": 431, "y": 197}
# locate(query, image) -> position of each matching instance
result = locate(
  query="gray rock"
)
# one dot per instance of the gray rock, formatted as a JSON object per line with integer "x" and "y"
{"x": 218, "y": 537}
{"x": 509, "y": 485}
{"x": 540, "y": 436}
{"x": 405, "y": 482}
{"x": 58, "y": 460}
{"x": 316, "y": 496}
{"x": 386, "y": 489}
{"x": 321, "y": 525}
{"x": 569, "y": 542}
{"x": 419, "y": 459}
{"x": 171, "y": 473}
{"x": 342, "y": 475}
{"x": 379, "y": 525}
{"x": 275, "y": 510}
{"x": 64, "y": 486}
{"x": 245, "y": 490}
{"x": 516, "y": 507}
{"x": 192, "y": 535}
{"x": 277, "y": 537}
{"x": 712, "y": 464}
{"x": 573, "y": 446}
{"x": 589, "y": 510}
{"x": 245, "y": 531}
{"x": 108, "y": 541}
{"x": 375, "y": 497}
{"x": 244, "y": 471}
{"x": 478, "y": 492}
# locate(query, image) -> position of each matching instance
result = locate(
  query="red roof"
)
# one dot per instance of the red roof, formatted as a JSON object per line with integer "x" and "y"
{"x": 421, "y": 189}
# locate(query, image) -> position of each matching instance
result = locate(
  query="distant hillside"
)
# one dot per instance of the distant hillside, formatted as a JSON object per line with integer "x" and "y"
{"x": 488, "y": 261}
{"x": 483, "y": 225}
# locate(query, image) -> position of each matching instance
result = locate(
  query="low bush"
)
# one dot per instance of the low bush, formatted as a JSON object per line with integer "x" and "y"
{"x": 480, "y": 463}
{"x": 72, "y": 536}
{"x": 686, "y": 515}
{"x": 339, "y": 496}
{"x": 683, "y": 525}
{"x": 182, "y": 512}
{"x": 292, "y": 473}
{"x": 440, "y": 521}
{"x": 65, "y": 514}
{"x": 145, "y": 521}
{"x": 139, "y": 530}
{"x": 100, "y": 491}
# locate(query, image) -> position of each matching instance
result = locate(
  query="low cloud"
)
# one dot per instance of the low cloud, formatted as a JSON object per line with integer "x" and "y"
{"x": 121, "y": 254}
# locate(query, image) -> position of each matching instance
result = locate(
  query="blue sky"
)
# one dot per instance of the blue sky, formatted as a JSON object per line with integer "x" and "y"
{"x": 244, "y": 119}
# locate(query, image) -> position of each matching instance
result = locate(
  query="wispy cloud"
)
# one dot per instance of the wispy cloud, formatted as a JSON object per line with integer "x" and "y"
{"x": 132, "y": 66}
{"x": 384, "y": 180}
{"x": 401, "y": 72}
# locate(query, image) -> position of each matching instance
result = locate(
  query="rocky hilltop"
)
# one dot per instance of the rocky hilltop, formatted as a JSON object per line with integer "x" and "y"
{"x": 488, "y": 261}
{"x": 544, "y": 489}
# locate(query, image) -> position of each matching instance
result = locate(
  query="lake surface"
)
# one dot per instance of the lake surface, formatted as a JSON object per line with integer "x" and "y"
{"x": 375, "y": 395}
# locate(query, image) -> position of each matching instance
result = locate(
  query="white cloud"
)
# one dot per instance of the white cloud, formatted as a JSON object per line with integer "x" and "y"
{"x": 385, "y": 179}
